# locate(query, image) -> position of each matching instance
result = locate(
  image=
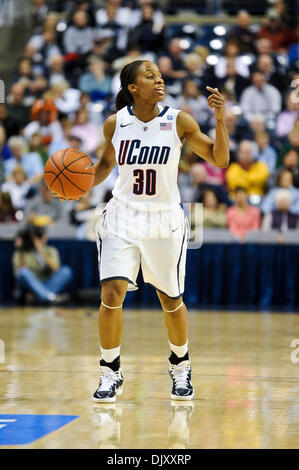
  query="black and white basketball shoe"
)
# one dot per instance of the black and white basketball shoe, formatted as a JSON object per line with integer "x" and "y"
{"x": 111, "y": 381}
{"x": 180, "y": 372}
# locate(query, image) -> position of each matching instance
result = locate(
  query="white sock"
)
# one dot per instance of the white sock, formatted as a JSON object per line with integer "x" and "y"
{"x": 110, "y": 354}
{"x": 180, "y": 351}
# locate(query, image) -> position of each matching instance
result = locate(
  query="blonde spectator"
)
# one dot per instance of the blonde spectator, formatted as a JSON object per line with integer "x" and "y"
{"x": 281, "y": 218}
{"x": 30, "y": 162}
{"x": 193, "y": 63}
{"x": 17, "y": 187}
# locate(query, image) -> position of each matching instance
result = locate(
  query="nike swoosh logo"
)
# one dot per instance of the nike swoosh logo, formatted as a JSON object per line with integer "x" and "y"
{"x": 125, "y": 125}
{"x": 175, "y": 229}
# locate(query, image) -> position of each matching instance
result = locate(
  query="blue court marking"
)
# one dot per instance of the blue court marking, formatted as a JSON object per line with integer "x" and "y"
{"x": 24, "y": 429}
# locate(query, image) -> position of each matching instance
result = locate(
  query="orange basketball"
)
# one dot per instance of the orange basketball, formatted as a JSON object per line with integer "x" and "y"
{"x": 70, "y": 173}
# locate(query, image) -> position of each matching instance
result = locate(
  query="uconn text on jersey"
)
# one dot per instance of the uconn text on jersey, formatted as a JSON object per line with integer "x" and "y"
{"x": 131, "y": 153}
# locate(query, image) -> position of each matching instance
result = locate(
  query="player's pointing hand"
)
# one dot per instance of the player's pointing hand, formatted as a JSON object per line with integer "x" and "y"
{"x": 216, "y": 102}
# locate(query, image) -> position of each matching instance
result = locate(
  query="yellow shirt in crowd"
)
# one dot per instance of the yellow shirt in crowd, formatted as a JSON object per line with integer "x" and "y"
{"x": 253, "y": 179}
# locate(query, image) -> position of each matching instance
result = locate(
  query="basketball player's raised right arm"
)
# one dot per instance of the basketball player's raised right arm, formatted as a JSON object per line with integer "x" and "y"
{"x": 107, "y": 161}
{"x": 215, "y": 152}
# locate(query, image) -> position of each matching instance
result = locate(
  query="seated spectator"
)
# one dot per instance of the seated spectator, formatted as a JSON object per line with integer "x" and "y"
{"x": 88, "y": 7}
{"x": 18, "y": 188}
{"x": 16, "y": 107}
{"x": 37, "y": 88}
{"x": 172, "y": 67}
{"x": 231, "y": 54}
{"x": 232, "y": 82}
{"x": 194, "y": 103}
{"x": 199, "y": 185}
{"x": 44, "y": 115}
{"x": 145, "y": 33}
{"x": 24, "y": 73}
{"x": 43, "y": 209}
{"x": 260, "y": 98}
{"x": 274, "y": 30}
{"x": 78, "y": 38}
{"x": 30, "y": 162}
{"x": 285, "y": 17}
{"x": 55, "y": 71}
{"x": 37, "y": 266}
{"x": 242, "y": 217}
{"x": 292, "y": 142}
{"x": 285, "y": 181}
{"x": 87, "y": 131}
{"x": 257, "y": 124}
{"x": 45, "y": 47}
{"x": 122, "y": 14}
{"x": 195, "y": 69}
{"x": 265, "y": 64}
{"x": 158, "y": 17}
{"x": 264, "y": 46}
{"x": 286, "y": 119}
{"x": 66, "y": 99}
{"x": 103, "y": 45}
{"x": 264, "y": 152}
{"x": 214, "y": 214}
{"x": 96, "y": 81}
{"x": 244, "y": 33}
{"x": 118, "y": 24}
{"x": 281, "y": 218}
{"x": 7, "y": 211}
{"x": 248, "y": 173}
{"x": 290, "y": 162}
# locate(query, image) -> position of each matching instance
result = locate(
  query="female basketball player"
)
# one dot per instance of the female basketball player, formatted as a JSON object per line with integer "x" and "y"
{"x": 144, "y": 139}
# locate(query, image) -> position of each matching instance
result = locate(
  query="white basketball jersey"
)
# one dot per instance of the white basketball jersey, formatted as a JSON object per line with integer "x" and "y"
{"x": 147, "y": 154}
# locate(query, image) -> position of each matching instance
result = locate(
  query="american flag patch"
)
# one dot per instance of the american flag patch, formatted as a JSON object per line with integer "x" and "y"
{"x": 165, "y": 126}
{"x": 169, "y": 117}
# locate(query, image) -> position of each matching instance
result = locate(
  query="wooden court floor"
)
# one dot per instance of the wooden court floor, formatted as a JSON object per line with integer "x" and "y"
{"x": 245, "y": 377}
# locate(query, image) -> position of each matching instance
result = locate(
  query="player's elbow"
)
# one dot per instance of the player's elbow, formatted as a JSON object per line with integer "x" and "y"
{"x": 221, "y": 162}
{"x": 224, "y": 164}
{"x": 221, "y": 159}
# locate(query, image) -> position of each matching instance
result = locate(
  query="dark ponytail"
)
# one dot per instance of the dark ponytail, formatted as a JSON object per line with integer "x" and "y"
{"x": 127, "y": 76}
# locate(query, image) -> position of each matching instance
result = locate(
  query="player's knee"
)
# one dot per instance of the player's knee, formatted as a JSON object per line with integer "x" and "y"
{"x": 112, "y": 294}
{"x": 170, "y": 304}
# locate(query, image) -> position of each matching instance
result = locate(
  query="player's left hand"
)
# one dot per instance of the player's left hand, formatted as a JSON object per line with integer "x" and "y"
{"x": 216, "y": 102}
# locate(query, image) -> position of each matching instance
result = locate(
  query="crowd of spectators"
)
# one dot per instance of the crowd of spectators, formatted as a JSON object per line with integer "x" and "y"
{"x": 66, "y": 81}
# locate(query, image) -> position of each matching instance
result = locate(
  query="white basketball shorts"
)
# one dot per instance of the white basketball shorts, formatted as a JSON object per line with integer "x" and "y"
{"x": 157, "y": 241}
